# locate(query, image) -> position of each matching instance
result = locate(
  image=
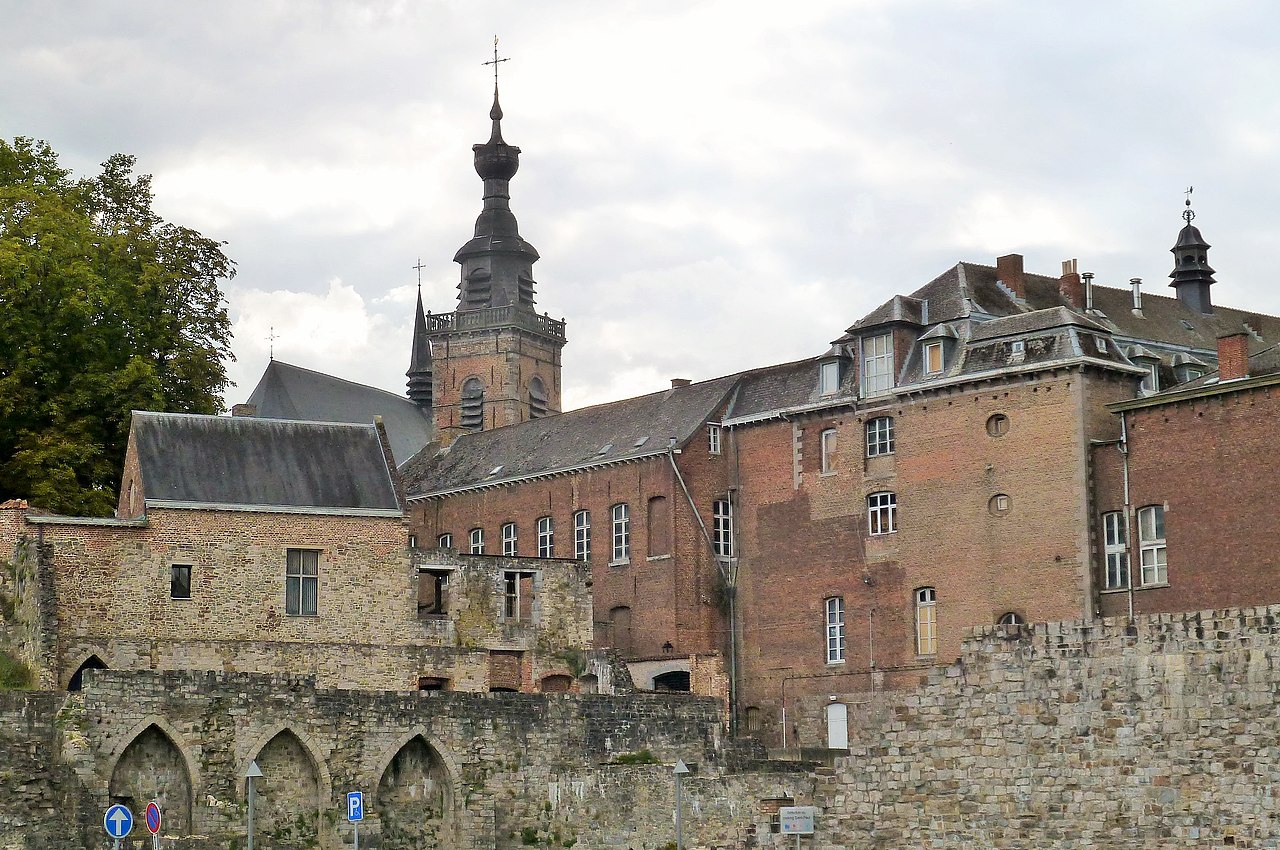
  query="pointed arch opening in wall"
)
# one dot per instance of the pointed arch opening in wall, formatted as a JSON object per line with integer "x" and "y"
{"x": 473, "y": 404}
{"x": 152, "y": 767}
{"x": 537, "y": 398}
{"x": 93, "y": 662}
{"x": 415, "y": 800}
{"x": 287, "y": 797}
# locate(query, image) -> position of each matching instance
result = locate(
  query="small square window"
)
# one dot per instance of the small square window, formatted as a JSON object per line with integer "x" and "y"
{"x": 180, "y": 581}
{"x": 933, "y": 358}
{"x": 1017, "y": 348}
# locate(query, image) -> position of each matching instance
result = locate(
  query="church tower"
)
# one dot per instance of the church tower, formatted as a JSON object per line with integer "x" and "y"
{"x": 493, "y": 361}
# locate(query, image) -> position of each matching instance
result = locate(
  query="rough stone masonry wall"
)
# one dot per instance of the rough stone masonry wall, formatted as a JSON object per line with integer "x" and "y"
{"x": 1163, "y": 733}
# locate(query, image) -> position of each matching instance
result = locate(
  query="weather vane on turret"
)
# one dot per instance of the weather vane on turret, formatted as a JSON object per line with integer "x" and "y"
{"x": 495, "y": 62}
{"x": 1188, "y": 213}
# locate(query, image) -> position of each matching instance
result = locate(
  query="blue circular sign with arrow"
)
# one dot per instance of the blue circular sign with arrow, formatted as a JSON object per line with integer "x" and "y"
{"x": 118, "y": 821}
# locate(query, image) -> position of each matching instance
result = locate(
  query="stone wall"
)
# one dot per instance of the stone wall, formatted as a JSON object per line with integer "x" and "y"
{"x": 1105, "y": 735}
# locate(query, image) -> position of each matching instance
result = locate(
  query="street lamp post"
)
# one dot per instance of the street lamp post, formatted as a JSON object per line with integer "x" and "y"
{"x": 254, "y": 772}
{"x": 680, "y": 771}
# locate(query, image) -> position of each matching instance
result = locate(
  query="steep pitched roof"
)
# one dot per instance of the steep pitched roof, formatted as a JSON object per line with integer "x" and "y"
{"x": 789, "y": 386}
{"x": 245, "y": 462}
{"x": 291, "y": 392}
{"x": 606, "y": 433}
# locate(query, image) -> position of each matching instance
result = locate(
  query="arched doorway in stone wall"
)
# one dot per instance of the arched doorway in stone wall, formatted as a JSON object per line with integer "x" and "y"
{"x": 153, "y": 768}
{"x": 93, "y": 662}
{"x": 287, "y": 797}
{"x": 415, "y": 800}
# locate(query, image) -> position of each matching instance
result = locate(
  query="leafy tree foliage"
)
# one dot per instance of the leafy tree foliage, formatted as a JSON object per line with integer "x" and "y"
{"x": 104, "y": 308}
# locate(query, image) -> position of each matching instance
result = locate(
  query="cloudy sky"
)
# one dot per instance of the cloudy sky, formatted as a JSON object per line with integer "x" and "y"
{"x": 712, "y": 185}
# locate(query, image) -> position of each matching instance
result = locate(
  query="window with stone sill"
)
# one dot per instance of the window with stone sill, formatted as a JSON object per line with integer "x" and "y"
{"x": 180, "y": 581}
{"x": 1115, "y": 539}
{"x": 621, "y": 515}
{"x": 1152, "y": 555}
{"x": 302, "y": 582}
{"x": 828, "y": 445}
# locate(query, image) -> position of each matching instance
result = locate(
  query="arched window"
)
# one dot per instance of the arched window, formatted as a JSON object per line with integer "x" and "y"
{"x": 476, "y": 541}
{"x": 546, "y": 538}
{"x": 1011, "y": 618}
{"x": 473, "y": 404}
{"x": 926, "y": 621}
{"x": 537, "y": 399}
{"x": 509, "y": 539}
{"x": 582, "y": 535}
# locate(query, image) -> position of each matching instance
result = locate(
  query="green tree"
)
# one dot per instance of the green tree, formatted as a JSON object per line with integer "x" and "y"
{"x": 104, "y": 308}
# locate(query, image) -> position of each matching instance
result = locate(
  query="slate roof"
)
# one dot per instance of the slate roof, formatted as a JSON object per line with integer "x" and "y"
{"x": 243, "y": 462}
{"x": 785, "y": 387}
{"x": 606, "y": 433}
{"x": 291, "y": 392}
{"x": 1025, "y": 323}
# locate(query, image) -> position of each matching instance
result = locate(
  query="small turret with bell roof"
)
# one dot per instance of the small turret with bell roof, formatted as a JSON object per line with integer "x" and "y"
{"x": 1192, "y": 275}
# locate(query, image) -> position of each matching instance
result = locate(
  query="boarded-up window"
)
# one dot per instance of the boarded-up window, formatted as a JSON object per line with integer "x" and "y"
{"x": 555, "y": 684}
{"x": 620, "y": 629}
{"x": 658, "y": 529}
{"x": 505, "y": 670}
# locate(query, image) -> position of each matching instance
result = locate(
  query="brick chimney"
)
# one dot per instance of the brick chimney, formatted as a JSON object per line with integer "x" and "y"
{"x": 1233, "y": 356}
{"x": 1009, "y": 271}
{"x": 676, "y": 383}
{"x": 244, "y": 410}
{"x": 1070, "y": 286}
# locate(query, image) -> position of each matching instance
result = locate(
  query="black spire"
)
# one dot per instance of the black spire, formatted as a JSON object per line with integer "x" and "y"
{"x": 1192, "y": 275}
{"x": 497, "y": 264}
{"x": 419, "y": 374}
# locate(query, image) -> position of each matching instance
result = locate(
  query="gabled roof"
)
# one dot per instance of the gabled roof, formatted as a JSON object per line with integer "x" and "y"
{"x": 1025, "y": 323}
{"x": 241, "y": 462}
{"x": 606, "y": 433}
{"x": 291, "y": 392}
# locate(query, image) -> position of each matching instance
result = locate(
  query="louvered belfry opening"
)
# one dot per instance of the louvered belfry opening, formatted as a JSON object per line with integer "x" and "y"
{"x": 473, "y": 405}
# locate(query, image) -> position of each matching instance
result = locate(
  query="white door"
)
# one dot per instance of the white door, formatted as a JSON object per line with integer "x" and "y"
{"x": 837, "y": 726}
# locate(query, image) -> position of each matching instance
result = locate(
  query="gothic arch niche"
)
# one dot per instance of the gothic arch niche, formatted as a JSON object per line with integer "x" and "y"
{"x": 153, "y": 768}
{"x": 287, "y": 797}
{"x": 415, "y": 800}
{"x": 93, "y": 662}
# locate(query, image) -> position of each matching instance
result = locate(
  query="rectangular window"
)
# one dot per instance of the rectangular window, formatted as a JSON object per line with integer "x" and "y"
{"x": 444, "y": 541}
{"x": 477, "y": 541}
{"x": 509, "y": 539}
{"x": 1151, "y": 380}
{"x": 835, "y": 630}
{"x": 301, "y": 582}
{"x": 582, "y": 535}
{"x": 621, "y": 534}
{"x": 180, "y": 581}
{"x": 517, "y": 597}
{"x": 880, "y": 436}
{"x": 828, "y": 439}
{"x": 546, "y": 538}
{"x": 877, "y": 364}
{"x": 932, "y": 358}
{"x": 1152, "y": 546}
{"x": 829, "y": 378}
{"x": 722, "y": 526}
{"x": 713, "y": 439}
{"x": 1116, "y": 542}
{"x": 882, "y": 513}
{"x": 926, "y": 621}
{"x": 413, "y": 541}
{"x": 433, "y": 587}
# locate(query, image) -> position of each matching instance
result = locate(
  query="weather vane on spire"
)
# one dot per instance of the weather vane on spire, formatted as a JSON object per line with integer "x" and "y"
{"x": 419, "y": 267}
{"x": 495, "y": 62}
{"x": 271, "y": 343}
{"x": 1188, "y": 213}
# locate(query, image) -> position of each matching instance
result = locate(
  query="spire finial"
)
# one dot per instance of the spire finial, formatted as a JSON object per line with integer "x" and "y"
{"x": 1188, "y": 214}
{"x": 271, "y": 342}
{"x": 419, "y": 267}
{"x": 495, "y": 62}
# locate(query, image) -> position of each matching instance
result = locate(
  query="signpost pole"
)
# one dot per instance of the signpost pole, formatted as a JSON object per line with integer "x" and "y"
{"x": 355, "y": 843}
{"x": 254, "y": 772}
{"x": 680, "y": 771}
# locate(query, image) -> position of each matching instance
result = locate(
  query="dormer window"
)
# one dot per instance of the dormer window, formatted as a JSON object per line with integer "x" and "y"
{"x": 829, "y": 377}
{"x": 1151, "y": 380}
{"x": 1017, "y": 348}
{"x": 877, "y": 364}
{"x": 933, "y": 358}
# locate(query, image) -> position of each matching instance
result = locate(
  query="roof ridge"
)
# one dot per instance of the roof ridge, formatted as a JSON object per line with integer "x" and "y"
{"x": 335, "y": 378}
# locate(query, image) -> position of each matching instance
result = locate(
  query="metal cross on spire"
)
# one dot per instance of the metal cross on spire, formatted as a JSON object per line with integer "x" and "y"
{"x": 271, "y": 342}
{"x": 1188, "y": 213}
{"x": 495, "y": 62}
{"x": 419, "y": 267}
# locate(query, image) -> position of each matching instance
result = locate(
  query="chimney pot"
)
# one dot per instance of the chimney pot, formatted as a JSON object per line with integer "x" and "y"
{"x": 1009, "y": 272}
{"x": 1070, "y": 287}
{"x": 1233, "y": 356}
{"x": 679, "y": 382}
{"x": 1136, "y": 283}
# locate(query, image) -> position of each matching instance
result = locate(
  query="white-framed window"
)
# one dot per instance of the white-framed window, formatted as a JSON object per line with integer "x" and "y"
{"x": 722, "y": 526}
{"x": 926, "y": 621}
{"x": 1018, "y": 348}
{"x": 517, "y": 596}
{"x": 828, "y": 441}
{"x": 1151, "y": 380}
{"x": 1011, "y": 618}
{"x": 509, "y": 539}
{"x": 546, "y": 538}
{"x": 829, "y": 377}
{"x": 582, "y": 535}
{"x": 880, "y": 436}
{"x": 302, "y": 582}
{"x": 713, "y": 439}
{"x": 476, "y": 541}
{"x": 444, "y": 541}
{"x": 1151, "y": 545}
{"x": 877, "y": 364}
{"x": 835, "y": 630}
{"x": 621, "y": 533}
{"x": 933, "y": 357}
{"x": 1115, "y": 540}
{"x": 882, "y": 513}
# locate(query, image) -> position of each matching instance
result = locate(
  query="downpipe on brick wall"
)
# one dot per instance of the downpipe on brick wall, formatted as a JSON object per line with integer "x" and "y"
{"x": 1123, "y": 445}
{"x": 729, "y": 574}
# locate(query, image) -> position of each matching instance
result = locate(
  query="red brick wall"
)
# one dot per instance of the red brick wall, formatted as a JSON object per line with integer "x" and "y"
{"x": 1211, "y": 463}
{"x": 506, "y": 361}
